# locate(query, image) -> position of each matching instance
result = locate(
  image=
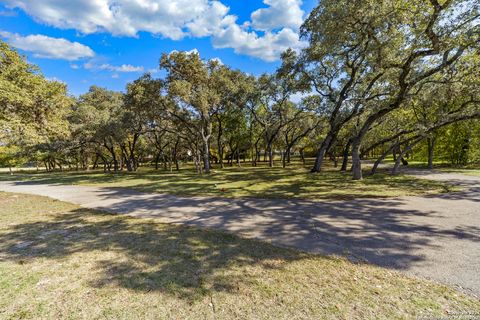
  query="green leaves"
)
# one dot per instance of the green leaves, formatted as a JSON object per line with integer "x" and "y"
{"x": 32, "y": 108}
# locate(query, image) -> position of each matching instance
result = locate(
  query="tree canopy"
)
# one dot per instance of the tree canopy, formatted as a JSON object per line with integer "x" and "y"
{"x": 376, "y": 78}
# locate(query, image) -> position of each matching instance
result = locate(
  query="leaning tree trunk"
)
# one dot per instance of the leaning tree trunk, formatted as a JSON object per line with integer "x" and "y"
{"x": 394, "y": 153}
{"x": 381, "y": 158}
{"x": 402, "y": 153}
{"x": 317, "y": 167}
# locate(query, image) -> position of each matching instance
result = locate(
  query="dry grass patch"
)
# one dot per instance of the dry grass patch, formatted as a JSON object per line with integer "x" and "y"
{"x": 60, "y": 261}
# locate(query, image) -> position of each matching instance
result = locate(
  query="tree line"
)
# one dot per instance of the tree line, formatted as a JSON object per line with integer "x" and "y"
{"x": 375, "y": 78}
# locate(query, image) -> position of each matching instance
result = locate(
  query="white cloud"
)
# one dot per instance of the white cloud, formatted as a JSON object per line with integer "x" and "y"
{"x": 167, "y": 18}
{"x": 74, "y": 66}
{"x": 271, "y": 30}
{"x": 267, "y": 47}
{"x": 299, "y": 96}
{"x": 214, "y": 17}
{"x": 55, "y": 79}
{"x": 105, "y": 66}
{"x": 217, "y": 60}
{"x": 193, "y": 51}
{"x": 122, "y": 68}
{"x": 279, "y": 14}
{"x": 47, "y": 47}
{"x": 115, "y": 76}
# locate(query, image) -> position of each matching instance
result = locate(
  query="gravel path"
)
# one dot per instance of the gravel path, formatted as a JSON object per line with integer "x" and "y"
{"x": 434, "y": 236}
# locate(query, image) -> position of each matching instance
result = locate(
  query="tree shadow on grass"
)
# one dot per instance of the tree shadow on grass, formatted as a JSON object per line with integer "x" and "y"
{"x": 192, "y": 263}
{"x": 182, "y": 261}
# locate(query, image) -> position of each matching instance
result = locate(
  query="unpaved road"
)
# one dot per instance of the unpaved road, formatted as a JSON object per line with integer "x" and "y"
{"x": 434, "y": 236}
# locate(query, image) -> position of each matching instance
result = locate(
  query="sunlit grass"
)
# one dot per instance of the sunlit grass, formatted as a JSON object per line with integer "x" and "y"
{"x": 247, "y": 181}
{"x": 470, "y": 172}
{"x": 58, "y": 261}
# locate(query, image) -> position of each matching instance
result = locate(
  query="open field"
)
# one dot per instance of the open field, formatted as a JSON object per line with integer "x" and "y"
{"x": 60, "y": 261}
{"x": 247, "y": 181}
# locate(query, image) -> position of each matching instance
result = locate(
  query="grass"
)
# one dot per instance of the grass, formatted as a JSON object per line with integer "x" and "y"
{"x": 470, "y": 172}
{"x": 445, "y": 166}
{"x": 60, "y": 261}
{"x": 261, "y": 182}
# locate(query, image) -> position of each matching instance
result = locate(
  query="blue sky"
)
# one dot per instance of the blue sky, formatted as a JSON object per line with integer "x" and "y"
{"x": 111, "y": 42}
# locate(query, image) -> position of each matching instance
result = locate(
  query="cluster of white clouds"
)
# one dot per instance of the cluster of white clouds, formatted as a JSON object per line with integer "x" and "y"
{"x": 270, "y": 31}
{"x": 122, "y": 68}
{"x": 47, "y": 47}
{"x": 93, "y": 65}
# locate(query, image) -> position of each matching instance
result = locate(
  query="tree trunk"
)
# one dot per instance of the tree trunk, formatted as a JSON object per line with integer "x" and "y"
{"x": 196, "y": 164}
{"x": 270, "y": 155}
{"x": 286, "y": 157}
{"x": 127, "y": 159}
{"x": 334, "y": 158}
{"x": 346, "y": 152}
{"x": 256, "y": 156}
{"x": 95, "y": 162}
{"x": 175, "y": 156}
{"x": 356, "y": 162}
{"x": 431, "y": 146}
{"x": 157, "y": 159}
{"x": 220, "y": 156}
{"x": 219, "y": 143}
{"x": 317, "y": 167}
{"x": 381, "y": 158}
{"x": 200, "y": 168}
{"x": 206, "y": 151}
{"x": 401, "y": 154}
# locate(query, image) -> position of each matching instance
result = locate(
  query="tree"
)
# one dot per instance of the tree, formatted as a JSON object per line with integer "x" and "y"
{"x": 270, "y": 104}
{"x": 33, "y": 109}
{"x": 96, "y": 127}
{"x": 401, "y": 44}
{"x": 195, "y": 85}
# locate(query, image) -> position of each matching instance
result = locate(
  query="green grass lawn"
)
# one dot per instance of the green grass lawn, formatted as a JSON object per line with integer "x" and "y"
{"x": 247, "y": 181}
{"x": 58, "y": 261}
